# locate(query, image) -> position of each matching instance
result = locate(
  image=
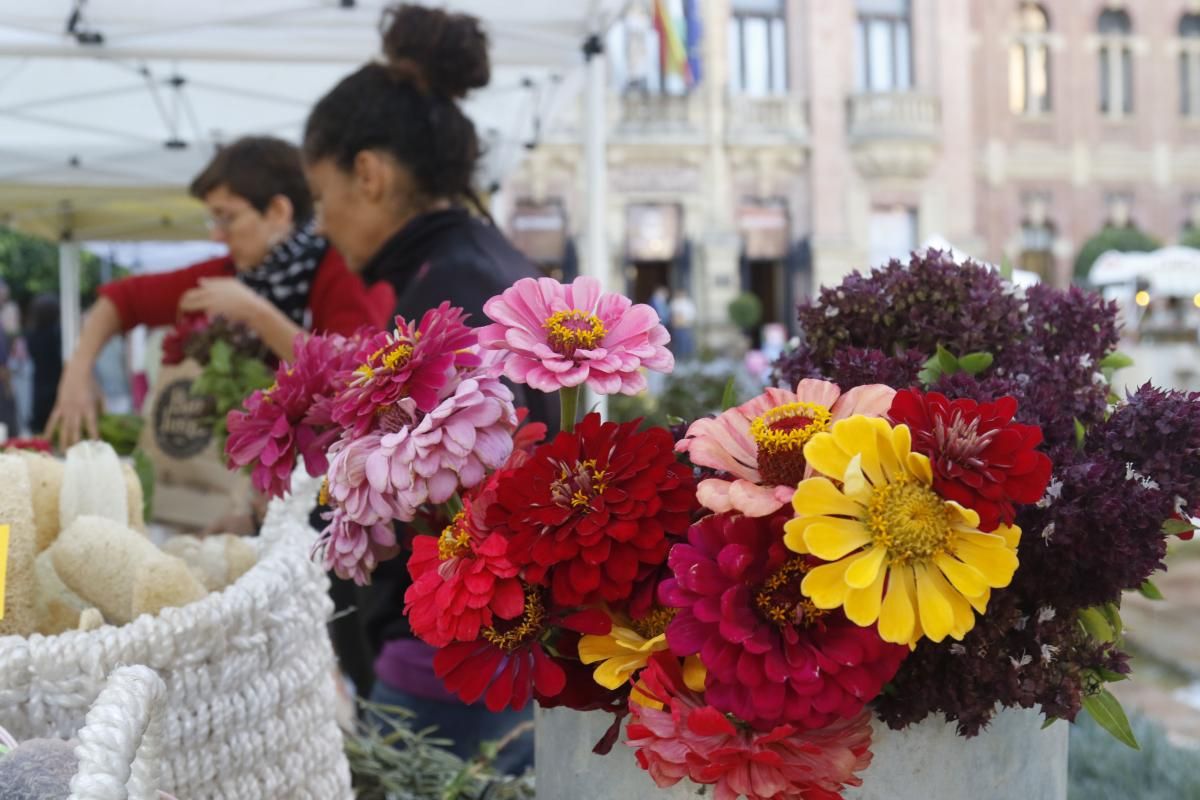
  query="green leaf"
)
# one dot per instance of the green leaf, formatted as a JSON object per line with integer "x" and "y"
{"x": 975, "y": 363}
{"x": 1006, "y": 269}
{"x": 1107, "y": 712}
{"x": 1116, "y": 360}
{"x": 946, "y": 361}
{"x": 1149, "y": 590}
{"x": 1112, "y": 613}
{"x": 220, "y": 357}
{"x": 1095, "y": 622}
{"x": 729, "y": 396}
{"x": 145, "y": 472}
{"x": 1109, "y": 676}
{"x": 1174, "y": 527}
{"x": 1049, "y": 721}
{"x": 1080, "y": 434}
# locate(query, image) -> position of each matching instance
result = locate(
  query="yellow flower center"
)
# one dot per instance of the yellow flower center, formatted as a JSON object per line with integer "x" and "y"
{"x": 780, "y": 600}
{"x": 387, "y": 358}
{"x": 455, "y": 539}
{"x": 323, "y": 495}
{"x": 655, "y": 623}
{"x": 508, "y": 635}
{"x": 780, "y": 436}
{"x": 910, "y": 520}
{"x": 578, "y": 485}
{"x": 568, "y": 331}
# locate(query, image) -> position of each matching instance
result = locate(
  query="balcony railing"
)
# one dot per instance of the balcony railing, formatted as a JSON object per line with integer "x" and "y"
{"x": 647, "y": 114}
{"x": 893, "y": 115}
{"x": 766, "y": 120}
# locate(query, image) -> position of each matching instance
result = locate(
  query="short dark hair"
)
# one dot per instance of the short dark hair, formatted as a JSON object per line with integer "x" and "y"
{"x": 257, "y": 169}
{"x": 408, "y": 107}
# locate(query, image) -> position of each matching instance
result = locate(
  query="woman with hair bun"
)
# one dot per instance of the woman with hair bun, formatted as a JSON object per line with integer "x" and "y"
{"x": 390, "y": 157}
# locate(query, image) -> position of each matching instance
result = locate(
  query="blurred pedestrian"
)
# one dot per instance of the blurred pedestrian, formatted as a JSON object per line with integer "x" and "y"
{"x": 43, "y": 338}
{"x": 683, "y": 321}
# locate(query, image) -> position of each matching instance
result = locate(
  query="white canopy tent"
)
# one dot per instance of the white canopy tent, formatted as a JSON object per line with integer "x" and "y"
{"x": 109, "y": 107}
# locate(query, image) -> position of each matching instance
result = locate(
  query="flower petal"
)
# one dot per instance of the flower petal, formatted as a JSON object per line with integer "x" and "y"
{"x": 937, "y": 616}
{"x": 830, "y": 538}
{"x": 896, "y": 616}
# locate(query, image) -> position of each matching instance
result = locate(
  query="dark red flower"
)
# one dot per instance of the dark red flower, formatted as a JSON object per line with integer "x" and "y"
{"x": 35, "y": 443}
{"x": 175, "y": 341}
{"x": 981, "y": 458}
{"x": 772, "y": 657}
{"x": 589, "y": 509}
{"x": 508, "y": 663}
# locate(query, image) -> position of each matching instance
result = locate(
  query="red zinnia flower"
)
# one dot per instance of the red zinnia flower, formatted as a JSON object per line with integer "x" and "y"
{"x": 414, "y": 361}
{"x": 174, "y": 343}
{"x": 688, "y": 739}
{"x": 587, "y": 510}
{"x": 772, "y": 656}
{"x": 507, "y": 661}
{"x": 981, "y": 458}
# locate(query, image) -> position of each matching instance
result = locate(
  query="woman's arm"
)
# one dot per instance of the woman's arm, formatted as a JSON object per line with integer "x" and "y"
{"x": 74, "y": 412}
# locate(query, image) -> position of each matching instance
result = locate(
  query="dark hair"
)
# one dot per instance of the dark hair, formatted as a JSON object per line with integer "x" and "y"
{"x": 43, "y": 312}
{"x": 408, "y": 107}
{"x": 258, "y": 169}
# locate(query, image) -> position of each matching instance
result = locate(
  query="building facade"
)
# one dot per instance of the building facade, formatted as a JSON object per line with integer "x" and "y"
{"x": 822, "y": 137}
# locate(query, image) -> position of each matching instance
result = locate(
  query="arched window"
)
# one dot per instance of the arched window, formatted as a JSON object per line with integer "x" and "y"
{"x": 1116, "y": 63}
{"x": 1029, "y": 62}
{"x": 1189, "y": 65}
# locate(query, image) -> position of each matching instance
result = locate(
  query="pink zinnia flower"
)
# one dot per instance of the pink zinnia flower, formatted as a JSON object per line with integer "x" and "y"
{"x": 772, "y": 656}
{"x": 290, "y": 418}
{"x": 353, "y": 550}
{"x": 562, "y": 336}
{"x": 761, "y": 443}
{"x": 410, "y": 361}
{"x": 688, "y": 739}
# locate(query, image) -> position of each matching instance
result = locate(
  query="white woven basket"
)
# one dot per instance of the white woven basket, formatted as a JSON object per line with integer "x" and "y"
{"x": 121, "y": 741}
{"x": 250, "y": 697}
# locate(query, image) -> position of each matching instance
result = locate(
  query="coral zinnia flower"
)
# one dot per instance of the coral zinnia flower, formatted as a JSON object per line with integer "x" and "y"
{"x": 410, "y": 361}
{"x": 772, "y": 656}
{"x": 885, "y": 527}
{"x": 587, "y": 510}
{"x": 562, "y": 336}
{"x": 761, "y": 443}
{"x": 688, "y": 739}
{"x": 353, "y": 550}
{"x": 460, "y": 580}
{"x": 508, "y": 661}
{"x": 980, "y": 457}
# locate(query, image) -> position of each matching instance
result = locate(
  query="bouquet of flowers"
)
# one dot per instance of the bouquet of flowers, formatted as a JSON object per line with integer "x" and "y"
{"x": 936, "y": 511}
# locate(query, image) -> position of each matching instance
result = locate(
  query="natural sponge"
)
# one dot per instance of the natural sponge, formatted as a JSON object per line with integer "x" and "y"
{"x": 119, "y": 571}
{"x": 93, "y": 484}
{"x": 45, "y": 483}
{"x": 58, "y": 608}
{"x": 216, "y": 561}
{"x": 16, "y": 511}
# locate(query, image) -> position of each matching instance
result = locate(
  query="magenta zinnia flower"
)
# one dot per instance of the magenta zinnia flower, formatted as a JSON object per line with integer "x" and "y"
{"x": 772, "y": 656}
{"x": 688, "y": 739}
{"x": 562, "y": 336}
{"x": 761, "y": 443}
{"x": 353, "y": 550}
{"x": 410, "y": 361}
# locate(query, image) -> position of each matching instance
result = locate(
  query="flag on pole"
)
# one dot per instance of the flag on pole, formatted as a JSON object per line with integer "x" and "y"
{"x": 691, "y": 16}
{"x": 672, "y": 45}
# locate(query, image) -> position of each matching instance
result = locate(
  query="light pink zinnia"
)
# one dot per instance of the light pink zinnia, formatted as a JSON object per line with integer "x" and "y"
{"x": 563, "y": 336}
{"x": 761, "y": 443}
{"x": 687, "y": 739}
{"x": 353, "y": 550}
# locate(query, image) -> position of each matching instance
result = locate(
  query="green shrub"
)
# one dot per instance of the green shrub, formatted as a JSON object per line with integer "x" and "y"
{"x": 1101, "y": 768}
{"x": 745, "y": 311}
{"x": 1125, "y": 240}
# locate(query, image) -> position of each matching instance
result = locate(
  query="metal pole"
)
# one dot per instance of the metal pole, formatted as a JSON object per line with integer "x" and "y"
{"x": 69, "y": 257}
{"x": 595, "y": 264}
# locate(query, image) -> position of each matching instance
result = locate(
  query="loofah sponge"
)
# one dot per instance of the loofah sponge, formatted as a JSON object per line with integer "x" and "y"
{"x": 39, "y": 769}
{"x": 216, "y": 561}
{"x": 45, "y": 482}
{"x": 16, "y": 511}
{"x": 93, "y": 484}
{"x": 119, "y": 571}
{"x": 58, "y": 608}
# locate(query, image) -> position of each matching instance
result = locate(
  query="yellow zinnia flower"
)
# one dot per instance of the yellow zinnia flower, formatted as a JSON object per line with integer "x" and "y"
{"x": 627, "y": 648}
{"x": 901, "y": 555}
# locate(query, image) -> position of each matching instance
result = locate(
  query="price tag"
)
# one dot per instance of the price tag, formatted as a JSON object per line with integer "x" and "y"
{"x": 3, "y": 564}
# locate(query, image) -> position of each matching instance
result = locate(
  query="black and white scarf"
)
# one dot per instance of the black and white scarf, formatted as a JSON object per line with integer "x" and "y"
{"x": 286, "y": 275}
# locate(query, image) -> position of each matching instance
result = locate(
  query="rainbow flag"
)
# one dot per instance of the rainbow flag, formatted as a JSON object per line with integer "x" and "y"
{"x": 672, "y": 45}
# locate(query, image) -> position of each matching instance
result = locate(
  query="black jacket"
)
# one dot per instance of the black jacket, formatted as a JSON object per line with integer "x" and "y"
{"x": 445, "y": 255}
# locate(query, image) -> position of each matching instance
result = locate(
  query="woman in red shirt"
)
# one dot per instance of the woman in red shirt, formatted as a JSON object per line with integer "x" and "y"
{"x": 278, "y": 279}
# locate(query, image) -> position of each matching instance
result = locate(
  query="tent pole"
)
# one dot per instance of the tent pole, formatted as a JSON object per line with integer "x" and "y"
{"x": 69, "y": 257}
{"x": 596, "y": 264}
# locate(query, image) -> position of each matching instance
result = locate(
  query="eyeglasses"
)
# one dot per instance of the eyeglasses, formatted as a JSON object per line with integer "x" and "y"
{"x": 223, "y": 222}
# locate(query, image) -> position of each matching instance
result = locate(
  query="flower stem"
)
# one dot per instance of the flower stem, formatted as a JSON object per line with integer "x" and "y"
{"x": 452, "y": 506}
{"x": 569, "y": 397}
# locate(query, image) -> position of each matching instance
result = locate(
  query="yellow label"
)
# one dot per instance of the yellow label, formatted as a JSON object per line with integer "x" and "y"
{"x": 3, "y": 564}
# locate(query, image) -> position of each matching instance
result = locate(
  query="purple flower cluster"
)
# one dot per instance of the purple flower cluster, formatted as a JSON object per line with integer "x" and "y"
{"x": 1098, "y": 531}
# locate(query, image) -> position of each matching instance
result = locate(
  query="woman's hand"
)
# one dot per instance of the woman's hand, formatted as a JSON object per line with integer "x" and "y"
{"x": 74, "y": 412}
{"x": 222, "y": 297}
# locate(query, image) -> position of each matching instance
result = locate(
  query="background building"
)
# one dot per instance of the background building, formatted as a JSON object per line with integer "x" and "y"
{"x": 771, "y": 146}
